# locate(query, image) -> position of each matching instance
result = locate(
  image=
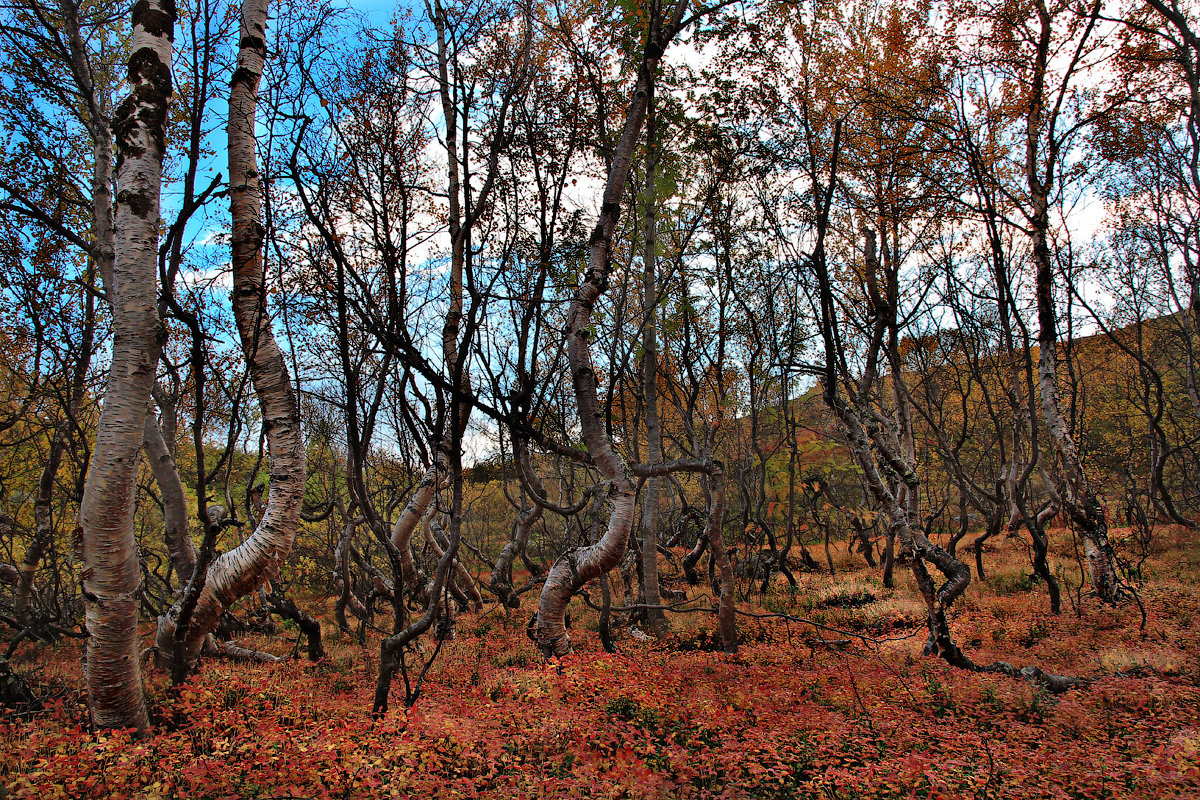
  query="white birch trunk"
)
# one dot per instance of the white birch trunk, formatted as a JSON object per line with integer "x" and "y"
{"x": 257, "y": 560}
{"x": 574, "y": 569}
{"x": 111, "y": 575}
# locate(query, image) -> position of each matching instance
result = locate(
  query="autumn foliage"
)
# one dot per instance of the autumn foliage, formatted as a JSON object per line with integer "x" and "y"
{"x": 609, "y": 398}
{"x": 800, "y": 712}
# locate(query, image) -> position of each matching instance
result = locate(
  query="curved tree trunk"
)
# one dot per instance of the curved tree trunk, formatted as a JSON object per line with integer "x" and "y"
{"x": 693, "y": 558}
{"x": 500, "y": 581}
{"x": 889, "y": 558}
{"x": 286, "y": 608}
{"x": 175, "y": 515}
{"x": 462, "y": 576}
{"x": 964, "y": 524}
{"x": 246, "y": 567}
{"x": 108, "y": 551}
{"x": 43, "y": 530}
{"x": 406, "y": 523}
{"x": 341, "y": 558}
{"x": 862, "y": 532}
{"x": 994, "y": 526}
{"x": 1079, "y": 499}
{"x": 574, "y": 569}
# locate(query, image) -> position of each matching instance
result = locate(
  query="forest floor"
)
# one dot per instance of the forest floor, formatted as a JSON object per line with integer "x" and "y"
{"x": 798, "y": 712}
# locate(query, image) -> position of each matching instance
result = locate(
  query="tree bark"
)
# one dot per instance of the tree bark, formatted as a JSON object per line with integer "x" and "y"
{"x": 43, "y": 530}
{"x": 500, "y": 581}
{"x": 575, "y": 568}
{"x": 309, "y": 625}
{"x": 1080, "y": 501}
{"x": 693, "y": 558}
{"x": 656, "y": 621}
{"x": 889, "y": 558}
{"x": 175, "y": 515}
{"x": 462, "y": 576}
{"x": 406, "y": 523}
{"x": 102, "y": 255}
{"x": 111, "y": 576}
{"x": 341, "y": 558}
{"x": 713, "y": 533}
{"x": 246, "y": 567}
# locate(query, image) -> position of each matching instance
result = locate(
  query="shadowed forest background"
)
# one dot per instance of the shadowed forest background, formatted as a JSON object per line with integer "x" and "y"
{"x": 599, "y": 399}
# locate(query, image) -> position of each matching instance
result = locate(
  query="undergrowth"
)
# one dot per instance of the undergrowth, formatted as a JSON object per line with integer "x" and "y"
{"x": 793, "y": 714}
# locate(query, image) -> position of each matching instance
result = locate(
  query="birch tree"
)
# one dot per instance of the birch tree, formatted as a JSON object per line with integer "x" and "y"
{"x": 575, "y": 568}
{"x": 1048, "y": 133}
{"x": 111, "y": 573}
{"x": 214, "y": 587}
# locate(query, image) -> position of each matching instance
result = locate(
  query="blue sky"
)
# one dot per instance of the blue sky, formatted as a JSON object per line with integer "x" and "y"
{"x": 379, "y": 12}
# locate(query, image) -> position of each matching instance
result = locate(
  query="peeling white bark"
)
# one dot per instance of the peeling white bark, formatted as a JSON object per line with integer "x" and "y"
{"x": 575, "y": 568}
{"x": 111, "y": 575}
{"x": 257, "y": 560}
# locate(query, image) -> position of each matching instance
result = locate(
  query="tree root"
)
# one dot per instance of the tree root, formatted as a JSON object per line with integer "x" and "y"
{"x": 235, "y": 652}
{"x": 1034, "y": 675}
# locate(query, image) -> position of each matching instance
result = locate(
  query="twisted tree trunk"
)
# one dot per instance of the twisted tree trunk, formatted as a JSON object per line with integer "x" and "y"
{"x": 246, "y": 567}
{"x": 575, "y": 568}
{"x": 462, "y": 576}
